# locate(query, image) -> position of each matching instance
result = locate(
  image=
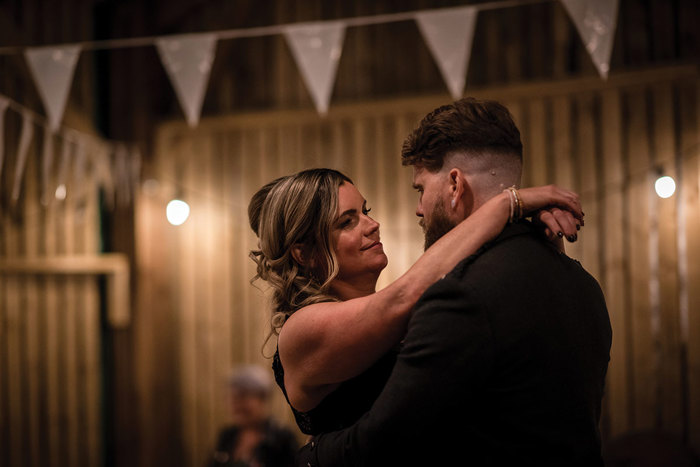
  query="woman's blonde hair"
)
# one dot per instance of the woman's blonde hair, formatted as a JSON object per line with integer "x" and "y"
{"x": 296, "y": 210}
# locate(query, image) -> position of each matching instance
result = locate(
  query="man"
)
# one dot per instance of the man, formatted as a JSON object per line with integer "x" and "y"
{"x": 505, "y": 358}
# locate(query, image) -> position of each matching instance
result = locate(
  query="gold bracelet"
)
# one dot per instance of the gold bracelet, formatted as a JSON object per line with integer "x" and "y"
{"x": 512, "y": 207}
{"x": 518, "y": 211}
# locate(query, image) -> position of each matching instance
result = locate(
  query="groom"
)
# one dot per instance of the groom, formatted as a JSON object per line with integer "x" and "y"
{"x": 505, "y": 358}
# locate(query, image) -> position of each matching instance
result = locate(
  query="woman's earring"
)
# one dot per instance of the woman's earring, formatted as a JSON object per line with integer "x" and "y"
{"x": 453, "y": 203}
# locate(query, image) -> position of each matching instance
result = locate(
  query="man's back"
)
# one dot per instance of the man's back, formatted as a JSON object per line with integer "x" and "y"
{"x": 503, "y": 363}
{"x": 550, "y": 345}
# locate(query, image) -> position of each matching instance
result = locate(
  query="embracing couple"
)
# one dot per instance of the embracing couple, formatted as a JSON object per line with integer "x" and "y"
{"x": 491, "y": 349}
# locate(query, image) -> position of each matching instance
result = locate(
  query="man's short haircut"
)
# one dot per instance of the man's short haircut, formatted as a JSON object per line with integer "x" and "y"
{"x": 467, "y": 125}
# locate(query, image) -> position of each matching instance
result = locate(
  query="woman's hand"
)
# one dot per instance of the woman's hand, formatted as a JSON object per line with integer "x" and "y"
{"x": 557, "y": 224}
{"x": 557, "y": 209}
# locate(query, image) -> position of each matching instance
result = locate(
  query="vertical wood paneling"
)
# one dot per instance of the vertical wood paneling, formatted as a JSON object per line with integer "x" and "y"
{"x": 69, "y": 320}
{"x": 16, "y": 394}
{"x": 4, "y": 416}
{"x": 52, "y": 350}
{"x": 689, "y": 133}
{"x": 669, "y": 345}
{"x": 535, "y": 142}
{"x": 30, "y": 317}
{"x": 50, "y": 342}
{"x": 618, "y": 380}
{"x": 638, "y": 162}
{"x": 588, "y": 184}
{"x": 186, "y": 271}
{"x": 563, "y": 157}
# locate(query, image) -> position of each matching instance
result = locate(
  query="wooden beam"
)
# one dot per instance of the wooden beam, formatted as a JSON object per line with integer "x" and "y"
{"x": 114, "y": 266}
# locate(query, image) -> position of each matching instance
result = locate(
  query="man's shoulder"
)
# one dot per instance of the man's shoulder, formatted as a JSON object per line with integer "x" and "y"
{"x": 519, "y": 256}
{"x": 517, "y": 243}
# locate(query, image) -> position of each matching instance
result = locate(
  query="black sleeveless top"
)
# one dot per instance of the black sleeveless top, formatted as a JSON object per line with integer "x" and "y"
{"x": 347, "y": 403}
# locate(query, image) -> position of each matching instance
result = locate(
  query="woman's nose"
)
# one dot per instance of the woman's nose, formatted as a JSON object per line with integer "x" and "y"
{"x": 372, "y": 226}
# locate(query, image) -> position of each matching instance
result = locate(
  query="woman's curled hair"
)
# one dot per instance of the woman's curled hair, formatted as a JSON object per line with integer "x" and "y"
{"x": 296, "y": 211}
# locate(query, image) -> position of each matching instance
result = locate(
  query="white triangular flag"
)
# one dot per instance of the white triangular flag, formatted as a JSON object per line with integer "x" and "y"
{"x": 46, "y": 164}
{"x": 63, "y": 166}
{"x": 4, "y": 104}
{"x": 187, "y": 59}
{"x": 79, "y": 179}
{"x": 449, "y": 33}
{"x": 52, "y": 69}
{"x": 25, "y": 138}
{"x": 316, "y": 49}
{"x": 121, "y": 173}
{"x": 105, "y": 175}
{"x": 596, "y": 21}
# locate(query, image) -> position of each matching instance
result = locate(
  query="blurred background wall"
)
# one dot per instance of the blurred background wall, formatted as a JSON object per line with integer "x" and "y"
{"x": 78, "y": 388}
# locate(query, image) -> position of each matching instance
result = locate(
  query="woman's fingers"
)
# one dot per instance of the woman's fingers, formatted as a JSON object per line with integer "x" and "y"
{"x": 567, "y": 200}
{"x": 567, "y": 222}
{"x": 558, "y": 222}
{"x": 551, "y": 224}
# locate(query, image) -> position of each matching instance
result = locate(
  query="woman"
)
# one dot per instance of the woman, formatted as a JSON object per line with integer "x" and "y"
{"x": 320, "y": 252}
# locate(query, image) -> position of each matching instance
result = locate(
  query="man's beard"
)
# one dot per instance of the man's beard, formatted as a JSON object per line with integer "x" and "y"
{"x": 439, "y": 225}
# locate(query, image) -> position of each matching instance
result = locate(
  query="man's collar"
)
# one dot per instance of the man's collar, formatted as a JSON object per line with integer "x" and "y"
{"x": 512, "y": 230}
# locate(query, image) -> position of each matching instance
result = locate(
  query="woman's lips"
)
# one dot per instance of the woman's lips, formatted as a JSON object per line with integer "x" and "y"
{"x": 373, "y": 245}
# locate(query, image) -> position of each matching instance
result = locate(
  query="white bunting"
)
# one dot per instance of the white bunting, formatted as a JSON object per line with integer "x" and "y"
{"x": 46, "y": 163}
{"x": 80, "y": 188}
{"x": 102, "y": 171}
{"x": 25, "y": 139}
{"x": 317, "y": 49}
{"x": 4, "y": 104}
{"x": 121, "y": 174}
{"x": 62, "y": 177}
{"x": 52, "y": 69}
{"x": 596, "y": 21}
{"x": 449, "y": 33}
{"x": 188, "y": 59}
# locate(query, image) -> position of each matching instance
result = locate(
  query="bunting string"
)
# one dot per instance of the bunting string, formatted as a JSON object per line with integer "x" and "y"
{"x": 261, "y": 31}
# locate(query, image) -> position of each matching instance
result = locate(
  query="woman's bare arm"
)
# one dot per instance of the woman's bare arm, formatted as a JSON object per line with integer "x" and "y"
{"x": 324, "y": 344}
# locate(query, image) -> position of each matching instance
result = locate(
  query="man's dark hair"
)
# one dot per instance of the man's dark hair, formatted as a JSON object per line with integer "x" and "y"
{"x": 465, "y": 125}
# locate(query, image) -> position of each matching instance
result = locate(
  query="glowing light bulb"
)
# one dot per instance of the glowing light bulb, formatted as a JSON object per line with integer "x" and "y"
{"x": 665, "y": 187}
{"x": 61, "y": 192}
{"x": 177, "y": 212}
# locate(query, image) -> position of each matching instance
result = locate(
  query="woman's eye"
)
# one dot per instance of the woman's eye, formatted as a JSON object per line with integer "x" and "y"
{"x": 366, "y": 211}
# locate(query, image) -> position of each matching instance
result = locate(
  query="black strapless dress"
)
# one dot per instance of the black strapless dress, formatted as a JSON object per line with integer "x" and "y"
{"x": 347, "y": 403}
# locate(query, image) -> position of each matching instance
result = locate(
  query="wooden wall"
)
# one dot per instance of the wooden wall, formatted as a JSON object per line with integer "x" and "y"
{"x": 50, "y": 344}
{"x": 604, "y": 140}
{"x": 161, "y": 390}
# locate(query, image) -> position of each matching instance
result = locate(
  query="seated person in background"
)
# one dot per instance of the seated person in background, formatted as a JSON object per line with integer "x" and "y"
{"x": 253, "y": 440}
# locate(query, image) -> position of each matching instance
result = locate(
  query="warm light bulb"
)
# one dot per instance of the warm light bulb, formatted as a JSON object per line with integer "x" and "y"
{"x": 665, "y": 187}
{"x": 177, "y": 212}
{"x": 61, "y": 192}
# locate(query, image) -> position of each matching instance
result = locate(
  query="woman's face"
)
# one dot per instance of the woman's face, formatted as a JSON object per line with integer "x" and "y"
{"x": 356, "y": 236}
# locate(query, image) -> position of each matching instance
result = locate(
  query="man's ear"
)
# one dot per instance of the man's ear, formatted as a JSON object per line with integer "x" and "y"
{"x": 457, "y": 186}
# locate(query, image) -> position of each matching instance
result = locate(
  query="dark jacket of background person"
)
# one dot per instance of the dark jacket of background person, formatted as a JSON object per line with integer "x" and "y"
{"x": 277, "y": 449}
{"x": 503, "y": 364}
